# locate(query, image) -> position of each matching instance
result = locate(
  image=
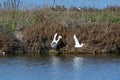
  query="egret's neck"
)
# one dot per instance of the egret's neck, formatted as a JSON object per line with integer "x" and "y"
{"x": 58, "y": 39}
{"x": 54, "y": 39}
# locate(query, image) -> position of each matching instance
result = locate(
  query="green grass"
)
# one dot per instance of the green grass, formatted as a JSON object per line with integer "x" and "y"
{"x": 12, "y": 19}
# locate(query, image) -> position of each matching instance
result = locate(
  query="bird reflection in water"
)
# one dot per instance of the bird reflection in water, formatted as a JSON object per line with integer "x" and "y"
{"x": 77, "y": 62}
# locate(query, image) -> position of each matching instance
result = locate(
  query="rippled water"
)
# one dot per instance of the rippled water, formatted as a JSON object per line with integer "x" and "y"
{"x": 60, "y": 68}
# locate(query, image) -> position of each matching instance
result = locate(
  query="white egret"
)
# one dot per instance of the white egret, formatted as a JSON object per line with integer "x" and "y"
{"x": 55, "y": 42}
{"x": 77, "y": 44}
{"x": 3, "y": 53}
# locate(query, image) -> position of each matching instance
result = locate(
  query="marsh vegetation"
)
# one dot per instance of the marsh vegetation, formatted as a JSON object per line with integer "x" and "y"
{"x": 34, "y": 29}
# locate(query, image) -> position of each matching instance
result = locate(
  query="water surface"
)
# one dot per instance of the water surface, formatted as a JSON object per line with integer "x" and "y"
{"x": 60, "y": 68}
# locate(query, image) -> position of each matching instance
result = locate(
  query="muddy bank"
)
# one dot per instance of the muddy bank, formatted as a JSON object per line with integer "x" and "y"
{"x": 98, "y": 37}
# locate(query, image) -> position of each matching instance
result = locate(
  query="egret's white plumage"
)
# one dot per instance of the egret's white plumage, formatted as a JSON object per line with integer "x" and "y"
{"x": 3, "y": 53}
{"x": 77, "y": 44}
{"x": 55, "y": 42}
{"x": 79, "y": 8}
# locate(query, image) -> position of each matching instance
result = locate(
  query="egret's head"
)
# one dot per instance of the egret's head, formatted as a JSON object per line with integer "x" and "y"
{"x": 60, "y": 37}
{"x": 74, "y": 35}
{"x": 82, "y": 43}
{"x": 3, "y": 52}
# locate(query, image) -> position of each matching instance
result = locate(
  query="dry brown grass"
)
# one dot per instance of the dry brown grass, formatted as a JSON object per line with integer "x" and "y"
{"x": 39, "y": 36}
{"x": 99, "y": 37}
{"x": 6, "y": 39}
{"x": 98, "y": 29}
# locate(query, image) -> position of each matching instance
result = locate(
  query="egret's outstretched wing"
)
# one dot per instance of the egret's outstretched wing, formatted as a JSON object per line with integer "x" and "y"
{"x": 76, "y": 40}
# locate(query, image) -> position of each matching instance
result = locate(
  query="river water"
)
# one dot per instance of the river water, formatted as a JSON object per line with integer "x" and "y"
{"x": 80, "y": 67}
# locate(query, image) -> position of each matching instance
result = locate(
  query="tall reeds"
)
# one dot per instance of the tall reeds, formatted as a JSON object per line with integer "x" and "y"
{"x": 99, "y": 29}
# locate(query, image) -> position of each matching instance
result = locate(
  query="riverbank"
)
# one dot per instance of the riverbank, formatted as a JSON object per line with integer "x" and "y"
{"x": 33, "y": 31}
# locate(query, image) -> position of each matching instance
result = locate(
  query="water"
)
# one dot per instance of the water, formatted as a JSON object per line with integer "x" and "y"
{"x": 60, "y": 68}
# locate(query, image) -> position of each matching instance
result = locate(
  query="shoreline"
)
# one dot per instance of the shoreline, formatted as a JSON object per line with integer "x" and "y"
{"x": 95, "y": 28}
{"x": 61, "y": 54}
{"x": 33, "y": 43}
